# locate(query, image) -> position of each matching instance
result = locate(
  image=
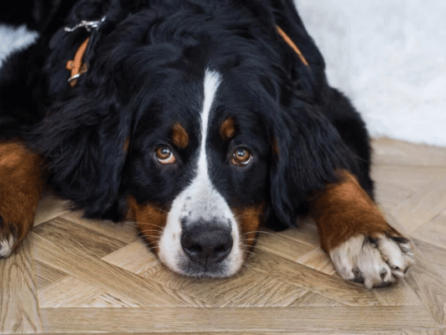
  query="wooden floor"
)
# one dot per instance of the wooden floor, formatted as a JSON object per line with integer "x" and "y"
{"x": 78, "y": 276}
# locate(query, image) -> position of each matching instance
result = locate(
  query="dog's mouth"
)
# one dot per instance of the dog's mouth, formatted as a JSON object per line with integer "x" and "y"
{"x": 191, "y": 268}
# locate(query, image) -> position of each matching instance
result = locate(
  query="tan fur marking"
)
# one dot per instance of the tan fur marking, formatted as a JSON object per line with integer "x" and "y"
{"x": 249, "y": 220}
{"x": 180, "y": 138}
{"x": 345, "y": 210}
{"x": 150, "y": 221}
{"x": 227, "y": 129}
{"x": 21, "y": 184}
{"x": 126, "y": 145}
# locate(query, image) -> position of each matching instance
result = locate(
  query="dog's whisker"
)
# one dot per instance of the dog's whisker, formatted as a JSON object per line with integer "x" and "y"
{"x": 249, "y": 239}
{"x": 247, "y": 214}
{"x": 258, "y": 232}
{"x": 149, "y": 231}
{"x": 152, "y": 224}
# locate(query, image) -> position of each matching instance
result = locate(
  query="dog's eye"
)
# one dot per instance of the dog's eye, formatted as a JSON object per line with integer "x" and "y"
{"x": 164, "y": 155}
{"x": 241, "y": 157}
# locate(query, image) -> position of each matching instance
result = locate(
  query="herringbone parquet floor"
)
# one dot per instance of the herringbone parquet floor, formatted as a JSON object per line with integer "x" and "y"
{"x": 78, "y": 276}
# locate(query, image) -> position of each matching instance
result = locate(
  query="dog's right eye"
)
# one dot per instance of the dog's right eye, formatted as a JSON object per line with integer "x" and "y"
{"x": 164, "y": 155}
{"x": 241, "y": 157}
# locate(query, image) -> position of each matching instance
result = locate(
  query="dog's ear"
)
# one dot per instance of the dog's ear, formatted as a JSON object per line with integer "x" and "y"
{"x": 306, "y": 153}
{"x": 86, "y": 143}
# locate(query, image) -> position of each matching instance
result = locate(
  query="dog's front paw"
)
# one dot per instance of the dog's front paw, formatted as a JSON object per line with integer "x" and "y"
{"x": 375, "y": 262}
{"x": 7, "y": 239}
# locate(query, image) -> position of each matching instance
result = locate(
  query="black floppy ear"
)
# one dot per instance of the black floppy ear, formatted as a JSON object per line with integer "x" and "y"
{"x": 307, "y": 153}
{"x": 85, "y": 144}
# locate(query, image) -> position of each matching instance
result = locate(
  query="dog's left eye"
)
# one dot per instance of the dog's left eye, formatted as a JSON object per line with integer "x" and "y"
{"x": 165, "y": 156}
{"x": 241, "y": 157}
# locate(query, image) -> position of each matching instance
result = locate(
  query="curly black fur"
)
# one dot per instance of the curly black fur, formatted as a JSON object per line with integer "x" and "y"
{"x": 146, "y": 63}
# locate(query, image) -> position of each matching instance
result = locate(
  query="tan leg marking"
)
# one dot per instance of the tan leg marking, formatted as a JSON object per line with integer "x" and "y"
{"x": 21, "y": 184}
{"x": 361, "y": 244}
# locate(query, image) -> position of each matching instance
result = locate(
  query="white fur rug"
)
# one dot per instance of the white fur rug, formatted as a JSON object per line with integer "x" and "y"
{"x": 388, "y": 56}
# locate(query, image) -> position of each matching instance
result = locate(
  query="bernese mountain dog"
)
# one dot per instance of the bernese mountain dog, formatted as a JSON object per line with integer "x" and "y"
{"x": 200, "y": 120}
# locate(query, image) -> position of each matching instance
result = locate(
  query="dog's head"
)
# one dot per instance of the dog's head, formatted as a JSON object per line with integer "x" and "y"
{"x": 192, "y": 126}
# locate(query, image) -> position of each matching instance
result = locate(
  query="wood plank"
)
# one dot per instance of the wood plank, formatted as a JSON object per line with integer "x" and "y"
{"x": 19, "y": 307}
{"x": 123, "y": 231}
{"x": 222, "y": 292}
{"x": 305, "y": 232}
{"x": 282, "y": 246}
{"x": 333, "y": 287}
{"x": 295, "y": 332}
{"x": 74, "y": 236}
{"x": 50, "y": 207}
{"x": 392, "y": 152}
{"x": 318, "y": 260}
{"x": 411, "y": 178}
{"x": 315, "y": 300}
{"x": 422, "y": 207}
{"x": 103, "y": 300}
{"x": 397, "y": 183}
{"x": 134, "y": 257}
{"x": 68, "y": 292}
{"x": 46, "y": 275}
{"x": 121, "y": 283}
{"x": 433, "y": 232}
{"x": 431, "y": 252}
{"x": 400, "y": 294}
{"x": 267, "y": 293}
{"x": 227, "y": 320}
{"x": 430, "y": 287}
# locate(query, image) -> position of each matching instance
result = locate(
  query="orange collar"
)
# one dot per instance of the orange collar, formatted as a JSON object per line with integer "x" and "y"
{"x": 77, "y": 67}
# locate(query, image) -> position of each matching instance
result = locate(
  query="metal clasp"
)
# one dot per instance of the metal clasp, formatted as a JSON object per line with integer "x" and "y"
{"x": 74, "y": 77}
{"x": 88, "y": 25}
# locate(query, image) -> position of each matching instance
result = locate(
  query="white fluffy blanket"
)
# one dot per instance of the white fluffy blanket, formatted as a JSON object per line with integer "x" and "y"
{"x": 388, "y": 56}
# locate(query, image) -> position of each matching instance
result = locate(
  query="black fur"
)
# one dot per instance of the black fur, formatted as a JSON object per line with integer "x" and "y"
{"x": 146, "y": 65}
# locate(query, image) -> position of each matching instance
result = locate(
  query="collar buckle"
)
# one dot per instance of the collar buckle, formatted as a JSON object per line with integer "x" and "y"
{"x": 88, "y": 25}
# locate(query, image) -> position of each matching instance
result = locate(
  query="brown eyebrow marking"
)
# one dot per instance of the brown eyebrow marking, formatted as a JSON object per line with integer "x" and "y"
{"x": 180, "y": 138}
{"x": 227, "y": 129}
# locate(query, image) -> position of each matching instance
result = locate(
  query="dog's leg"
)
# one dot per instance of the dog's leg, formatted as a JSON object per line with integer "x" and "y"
{"x": 362, "y": 245}
{"x": 21, "y": 184}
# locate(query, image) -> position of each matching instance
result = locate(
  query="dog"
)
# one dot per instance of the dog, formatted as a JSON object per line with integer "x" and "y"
{"x": 198, "y": 120}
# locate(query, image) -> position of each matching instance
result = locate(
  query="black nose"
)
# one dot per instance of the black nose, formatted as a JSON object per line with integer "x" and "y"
{"x": 206, "y": 244}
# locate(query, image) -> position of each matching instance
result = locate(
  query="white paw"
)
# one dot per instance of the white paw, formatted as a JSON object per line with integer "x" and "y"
{"x": 6, "y": 245}
{"x": 375, "y": 262}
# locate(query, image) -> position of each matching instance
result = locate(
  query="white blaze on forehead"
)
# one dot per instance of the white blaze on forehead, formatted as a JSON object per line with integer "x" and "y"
{"x": 202, "y": 182}
{"x": 200, "y": 200}
{"x": 212, "y": 81}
